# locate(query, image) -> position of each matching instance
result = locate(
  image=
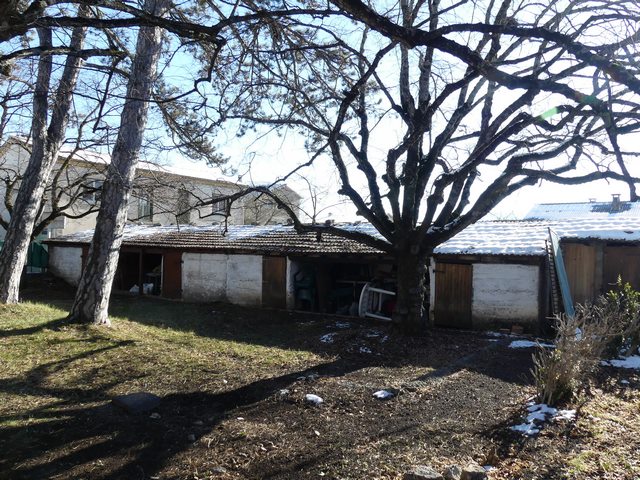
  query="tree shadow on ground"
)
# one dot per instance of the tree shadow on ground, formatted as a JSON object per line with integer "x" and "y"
{"x": 98, "y": 437}
{"x": 80, "y": 431}
{"x": 16, "y": 332}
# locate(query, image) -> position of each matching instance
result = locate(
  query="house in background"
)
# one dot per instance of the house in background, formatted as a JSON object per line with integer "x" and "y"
{"x": 161, "y": 195}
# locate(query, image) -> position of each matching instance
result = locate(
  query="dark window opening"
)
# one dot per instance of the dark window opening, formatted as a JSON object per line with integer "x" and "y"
{"x": 137, "y": 277}
{"x": 337, "y": 287}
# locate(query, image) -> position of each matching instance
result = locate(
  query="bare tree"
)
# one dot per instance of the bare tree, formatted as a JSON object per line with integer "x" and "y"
{"x": 470, "y": 103}
{"x": 92, "y": 296}
{"x": 72, "y": 192}
{"x": 46, "y": 141}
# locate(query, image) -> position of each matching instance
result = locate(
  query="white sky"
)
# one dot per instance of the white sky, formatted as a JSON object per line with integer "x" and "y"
{"x": 271, "y": 156}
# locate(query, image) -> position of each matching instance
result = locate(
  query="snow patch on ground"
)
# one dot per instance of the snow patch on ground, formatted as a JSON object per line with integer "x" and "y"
{"x": 383, "y": 394}
{"x": 342, "y": 325}
{"x": 328, "y": 338}
{"x": 373, "y": 334}
{"x": 539, "y": 414}
{"x": 529, "y": 344}
{"x": 313, "y": 399}
{"x": 365, "y": 350}
{"x": 497, "y": 334}
{"x": 629, "y": 362}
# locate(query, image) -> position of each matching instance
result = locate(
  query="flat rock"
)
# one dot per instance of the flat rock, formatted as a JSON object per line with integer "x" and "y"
{"x": 135, "y": 403}
{"x": 422, "y": 472}
{"x": 452, "y": 472}
{"x": 473, "y": 472}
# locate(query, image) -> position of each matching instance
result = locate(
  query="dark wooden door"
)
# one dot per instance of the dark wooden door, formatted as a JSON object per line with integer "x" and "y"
{"x": 172, "y": 274}
{"x": 623, "y": 262}
{"x": 274, "y": 282}
{"x": 453, "y": 295}
{"x": 580, "y": 264}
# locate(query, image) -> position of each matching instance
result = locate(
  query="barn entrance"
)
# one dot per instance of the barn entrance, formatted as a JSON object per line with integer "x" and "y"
{"x": 453, "y": 295}
{"x": 149, "y": 273}
{"x": 329, "y": 286}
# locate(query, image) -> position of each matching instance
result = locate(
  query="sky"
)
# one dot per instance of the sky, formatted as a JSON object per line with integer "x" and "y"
{"x": 270, "y": 157}
{"x": 261, "y": 158}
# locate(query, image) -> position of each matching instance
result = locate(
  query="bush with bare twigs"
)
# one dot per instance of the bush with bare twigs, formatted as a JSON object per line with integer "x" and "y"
{"x": 611, "y": 325}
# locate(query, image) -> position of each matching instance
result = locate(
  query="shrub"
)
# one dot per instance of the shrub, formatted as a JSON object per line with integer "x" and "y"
{"x": 623, "y": 304}
{"x": 611, "y": 325}
{"x": 580, "y": 341}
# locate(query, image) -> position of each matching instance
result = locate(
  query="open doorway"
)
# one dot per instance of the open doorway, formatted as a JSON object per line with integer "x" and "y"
{"x": 139, "y": 273}
{"x": 336, "y": 286}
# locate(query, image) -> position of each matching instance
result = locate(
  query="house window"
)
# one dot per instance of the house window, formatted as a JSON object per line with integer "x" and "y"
{"x": 93, "y": 191}
{"x": 220, "y": 206}
{"x": 145, "y": 208}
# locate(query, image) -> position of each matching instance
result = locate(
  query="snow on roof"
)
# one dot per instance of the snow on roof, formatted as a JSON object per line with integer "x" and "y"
{"x": 282, "y": 239}
{"x": 498, "y": 238}
{"x": 521, "y": 237}
{"x": 567, "y": 211}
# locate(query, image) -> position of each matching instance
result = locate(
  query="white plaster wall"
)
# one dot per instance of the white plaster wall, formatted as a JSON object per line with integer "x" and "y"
{"x": 244, "y": 279}
{"x": 210, "y": 277}
{"x": 505, "y": 293}
{"x": 204, "y": 277}
{"x": 66, "y": 263}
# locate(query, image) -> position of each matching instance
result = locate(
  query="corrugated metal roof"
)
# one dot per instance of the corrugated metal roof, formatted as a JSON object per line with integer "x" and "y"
{"x": 568, "y": 211}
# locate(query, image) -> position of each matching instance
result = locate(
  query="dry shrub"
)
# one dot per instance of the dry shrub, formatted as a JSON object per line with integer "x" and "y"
{"x": 611, "y": 325}
{"x": 623, "y": 304}
{"x": 580, "y": 341}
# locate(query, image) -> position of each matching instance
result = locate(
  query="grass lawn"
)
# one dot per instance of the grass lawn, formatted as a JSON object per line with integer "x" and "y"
{"x": 220, "y": 371}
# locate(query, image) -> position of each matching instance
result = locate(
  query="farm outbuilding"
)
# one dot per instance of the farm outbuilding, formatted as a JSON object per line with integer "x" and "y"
{"x": 492, "y": 274}
{"x": 269, "y": 266}
{"x": 503, "y": 272}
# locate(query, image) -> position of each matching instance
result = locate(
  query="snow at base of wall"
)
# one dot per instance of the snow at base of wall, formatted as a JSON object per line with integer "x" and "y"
{"x": 66, "y": 263}
{"x": 219, "y": 277}
{"x": 506, "y": 293}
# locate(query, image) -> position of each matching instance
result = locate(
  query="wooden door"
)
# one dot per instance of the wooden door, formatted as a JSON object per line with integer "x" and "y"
{"x": 580, "y": 265}
{"x": 274, "y": 282}
{"x": 623, "y": 262}
{"x": 172, "y": 274}
{"x": 453, "y": 295}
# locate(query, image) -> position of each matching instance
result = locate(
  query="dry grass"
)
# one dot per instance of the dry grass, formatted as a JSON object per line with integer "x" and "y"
{"x": 218, "y": 370}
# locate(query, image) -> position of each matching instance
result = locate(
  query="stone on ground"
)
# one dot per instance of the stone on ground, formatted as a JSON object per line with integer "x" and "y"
{"x": 452, "y": 472}
{"x": 473, "y": 472}
{"x": 135, "y": 403}
{"x": 422, "y": 472}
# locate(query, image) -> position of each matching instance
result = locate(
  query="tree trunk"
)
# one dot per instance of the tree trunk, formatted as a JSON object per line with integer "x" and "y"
{"x": 44, "y": 151}
{"x": 92, "y": 297}
{"x": 410, "y": 313}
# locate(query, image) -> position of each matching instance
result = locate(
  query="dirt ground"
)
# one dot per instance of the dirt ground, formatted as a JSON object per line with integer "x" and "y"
{"x": 239, "y": 411}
